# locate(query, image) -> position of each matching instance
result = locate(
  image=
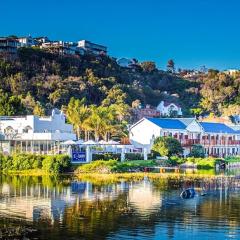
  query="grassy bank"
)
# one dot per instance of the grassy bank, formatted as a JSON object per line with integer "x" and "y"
{"x": 113, "y": 166}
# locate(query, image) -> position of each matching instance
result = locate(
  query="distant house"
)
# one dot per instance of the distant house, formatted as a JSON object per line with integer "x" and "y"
{"x": 168, "y": 109}
{"x": 126, "y": 62}
{"x": 232, "y": 72}
{"x": 60, "y": 47}
{"x": 147, "y": 111}
{"x": 8, "y": 46}
{"x": 27, "y": 41}
{"x": 41, "y": 40}
{"x": 93, "y": 48}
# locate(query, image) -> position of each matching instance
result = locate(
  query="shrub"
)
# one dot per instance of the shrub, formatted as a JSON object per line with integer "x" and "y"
{"x": 106, "y": 156}
{"x": 134, "y": 156}
{"x": 167, "y": 146}
{"x": 26, "y": 161}
{"x": 174, "y": 160}
{"x": 203, "y": 163}
{"x": 232, "y": 159}
{"x": 197, "y": 151}
{"x": 100, "y": 166}
{"x": 56, "y": 164}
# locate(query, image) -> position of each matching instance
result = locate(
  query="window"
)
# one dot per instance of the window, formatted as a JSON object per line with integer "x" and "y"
{"x": 27, "y": 129}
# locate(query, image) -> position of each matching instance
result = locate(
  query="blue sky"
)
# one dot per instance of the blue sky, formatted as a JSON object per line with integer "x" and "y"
{"x": 192, "y": 32}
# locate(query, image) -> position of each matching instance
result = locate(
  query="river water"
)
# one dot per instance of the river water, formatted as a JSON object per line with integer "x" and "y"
{"x": 66, "y": 208}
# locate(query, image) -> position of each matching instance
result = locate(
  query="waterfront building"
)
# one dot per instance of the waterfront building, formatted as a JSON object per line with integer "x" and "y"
{"x": 35, "y": 134}
{"x": 218, "y": 139}
{"x": 93, "y": 48}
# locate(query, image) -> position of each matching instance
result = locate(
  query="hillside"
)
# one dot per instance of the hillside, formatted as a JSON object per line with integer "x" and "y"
{"x": 39, "y": 77}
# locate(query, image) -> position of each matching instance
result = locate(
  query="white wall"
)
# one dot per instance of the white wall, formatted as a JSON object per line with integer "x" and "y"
{"x": 165, "y": 110}
{"x": 141, "y": 134}
{"x": 47, "y": 128}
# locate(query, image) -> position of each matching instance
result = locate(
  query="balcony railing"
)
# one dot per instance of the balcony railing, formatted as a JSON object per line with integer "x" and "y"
{"x": 190, "y": 142}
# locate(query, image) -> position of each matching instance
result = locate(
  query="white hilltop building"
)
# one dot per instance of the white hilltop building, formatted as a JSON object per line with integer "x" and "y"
{"x": 35, "y": 134}
{"x": 168, "y": 108}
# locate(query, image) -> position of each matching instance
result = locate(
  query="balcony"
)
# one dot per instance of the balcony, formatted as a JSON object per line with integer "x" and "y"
{"x": 189, "y": 142}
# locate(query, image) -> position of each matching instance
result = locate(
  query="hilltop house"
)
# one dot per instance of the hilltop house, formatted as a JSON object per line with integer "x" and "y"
{"x": 218, "y": 139}
{"x": 147, "y": 111}
{"x": 93, "y": 48}
{"x": 8, "y": 46}
{"x": 27, "y": 41}
{"x": 35, "y": 134}
{"x": 60, "y": 47}
{"x": 169, "y": 109}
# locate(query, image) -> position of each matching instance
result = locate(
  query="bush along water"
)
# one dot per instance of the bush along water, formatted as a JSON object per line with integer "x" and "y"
{"x": 23, "y": 162}
{"x": 112, "y": 166}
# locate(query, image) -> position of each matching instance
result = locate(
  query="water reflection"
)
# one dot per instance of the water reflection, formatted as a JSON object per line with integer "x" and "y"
{"x": 66, "y": 208}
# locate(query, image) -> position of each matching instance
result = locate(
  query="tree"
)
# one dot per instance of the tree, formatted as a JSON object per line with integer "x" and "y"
{"x": 197, "y": 151}
{"x": 77, "y": 113}
{"x": 148, "y": 66}
{"x": 196, "y": 111}
{"x": 171, "y": 66}
{"x": 100, "y": 121}
{"x": 136, "y": 103}
{"x": 38, "y": 110}
{"x": 167, "y": 146}
{"x": 10, "y": 105}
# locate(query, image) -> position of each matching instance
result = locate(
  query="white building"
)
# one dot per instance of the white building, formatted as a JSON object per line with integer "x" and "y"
{"x": 60, "y": 47}
{"x": 94, "y": 48}
{"x": 27, "y": 41}
{"x": 232, "y": 72}
{"x": 35, "y": 134}
{"x": 217, "y": 139}
{"x": 167, "y": 108}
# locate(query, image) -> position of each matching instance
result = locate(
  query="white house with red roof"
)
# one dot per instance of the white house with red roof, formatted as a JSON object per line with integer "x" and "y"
{"x": 169, "y": 108}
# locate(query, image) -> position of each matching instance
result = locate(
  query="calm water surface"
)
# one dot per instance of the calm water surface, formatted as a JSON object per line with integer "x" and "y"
{"x": 64, "y": 208}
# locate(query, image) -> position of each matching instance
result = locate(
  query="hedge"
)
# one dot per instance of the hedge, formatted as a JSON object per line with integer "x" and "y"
{"x": 20, "y": 162}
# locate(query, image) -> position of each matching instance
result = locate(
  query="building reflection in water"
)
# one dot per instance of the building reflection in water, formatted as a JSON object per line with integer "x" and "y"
{"x": 121, "y": 208}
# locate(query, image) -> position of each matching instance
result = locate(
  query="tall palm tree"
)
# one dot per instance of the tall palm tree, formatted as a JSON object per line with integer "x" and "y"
{"x": 77, "y": 113}
{"x": 100, "y": 121}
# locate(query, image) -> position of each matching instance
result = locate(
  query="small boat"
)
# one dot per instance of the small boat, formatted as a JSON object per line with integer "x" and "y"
{"x": 188, "y": 193}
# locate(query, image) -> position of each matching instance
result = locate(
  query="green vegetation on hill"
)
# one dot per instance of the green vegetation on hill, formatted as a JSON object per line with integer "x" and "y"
{"x": 220, "y": 93}
{"x": 42, "y": 80}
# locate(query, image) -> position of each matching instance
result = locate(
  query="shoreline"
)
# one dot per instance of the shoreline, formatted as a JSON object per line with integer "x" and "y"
{"x": 121, "y": 176}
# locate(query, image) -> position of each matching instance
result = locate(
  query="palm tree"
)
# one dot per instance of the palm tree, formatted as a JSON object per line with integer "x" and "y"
{"x": 77, "y": 113}
{"x": 100, "y": 121}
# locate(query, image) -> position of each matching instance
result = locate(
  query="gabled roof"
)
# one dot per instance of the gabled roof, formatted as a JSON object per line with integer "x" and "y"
{"x": 216, "y": 127}
{"x": 166, "y": 104}
{"x": 186, "y": 121}
{"x": 168, "y": 123}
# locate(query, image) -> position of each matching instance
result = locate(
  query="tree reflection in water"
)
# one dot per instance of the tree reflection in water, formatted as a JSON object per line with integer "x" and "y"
{"x": 63, "y": 208}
